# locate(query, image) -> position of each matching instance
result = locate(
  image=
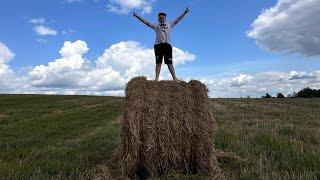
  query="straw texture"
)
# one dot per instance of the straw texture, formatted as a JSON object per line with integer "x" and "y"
{"x": 167, "y": 127}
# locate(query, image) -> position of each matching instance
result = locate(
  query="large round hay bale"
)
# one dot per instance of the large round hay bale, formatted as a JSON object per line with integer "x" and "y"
{"x": 167, "y": 127}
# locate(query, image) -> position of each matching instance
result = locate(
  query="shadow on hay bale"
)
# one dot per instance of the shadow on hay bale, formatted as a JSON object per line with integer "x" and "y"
{"x": 167, "y": 127}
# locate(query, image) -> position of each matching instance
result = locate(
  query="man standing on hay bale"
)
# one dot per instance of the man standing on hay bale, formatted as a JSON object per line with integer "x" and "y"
{"x": 162, "y": 46}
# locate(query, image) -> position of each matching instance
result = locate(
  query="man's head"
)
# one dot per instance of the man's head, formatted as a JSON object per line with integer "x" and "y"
{"x": 162, "y": 17}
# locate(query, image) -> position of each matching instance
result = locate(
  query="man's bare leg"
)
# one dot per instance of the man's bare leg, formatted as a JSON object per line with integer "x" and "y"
{"x": 171, "y": 69}
{"x": 158, "y": 69}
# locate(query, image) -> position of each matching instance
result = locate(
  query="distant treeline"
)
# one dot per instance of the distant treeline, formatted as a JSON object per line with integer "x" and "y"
{"x": 303, "y": 93}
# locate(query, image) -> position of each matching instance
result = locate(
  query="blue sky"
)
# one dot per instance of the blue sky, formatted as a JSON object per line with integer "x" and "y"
{"x": 214, "y": 39}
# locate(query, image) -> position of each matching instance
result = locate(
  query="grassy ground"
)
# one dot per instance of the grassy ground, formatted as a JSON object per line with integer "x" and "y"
{"x": 68, "y": 137}
{"x": 277, "y": 138}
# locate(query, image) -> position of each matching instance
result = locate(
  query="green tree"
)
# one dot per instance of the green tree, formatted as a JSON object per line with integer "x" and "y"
{"x": 280, "y": 95}
{"x": 267, "y": 96}
{"x": 308, "y": 93}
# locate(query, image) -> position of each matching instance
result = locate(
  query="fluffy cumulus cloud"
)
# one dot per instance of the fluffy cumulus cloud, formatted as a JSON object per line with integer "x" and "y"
{"x": 130, "y": 58}
{"x": 125, "y": 6}
{"x": 256, "y": 85}
{"x": 5, "y": 54}
{"x": 241, "y": 80}
{"x": 7, "y": 75}
{"x": 73, "y": 73}
{"x": 291, "y": 26}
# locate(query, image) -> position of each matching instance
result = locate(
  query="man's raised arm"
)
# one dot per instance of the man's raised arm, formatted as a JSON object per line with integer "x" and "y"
{"x": 180, "y": 17}
{"x": 143, "y": 20}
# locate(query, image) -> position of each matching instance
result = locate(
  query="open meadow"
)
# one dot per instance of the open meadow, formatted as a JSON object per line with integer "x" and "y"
{"x": 71, "y": 137}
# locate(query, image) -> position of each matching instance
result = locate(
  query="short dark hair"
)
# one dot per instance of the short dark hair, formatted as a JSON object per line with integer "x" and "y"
{"x": 162, "y": 14}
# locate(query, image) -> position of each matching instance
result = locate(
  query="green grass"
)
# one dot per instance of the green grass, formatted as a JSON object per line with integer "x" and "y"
{"x": 46, "y": 137}
{"x": 68, "y": 137}
{"x": 277, "y": 138}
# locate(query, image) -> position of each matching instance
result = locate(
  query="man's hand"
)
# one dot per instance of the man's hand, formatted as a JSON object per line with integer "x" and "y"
{"x": 180, "y": 17}
{"x": 134, "y": 14}
{"x": 187, "y": 10}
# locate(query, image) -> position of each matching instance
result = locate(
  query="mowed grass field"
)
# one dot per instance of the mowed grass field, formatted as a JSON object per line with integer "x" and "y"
{"x": 70, "y": 137}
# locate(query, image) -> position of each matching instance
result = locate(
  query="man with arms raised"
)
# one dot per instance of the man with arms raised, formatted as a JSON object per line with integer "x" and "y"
{"x": 162, "y": 46}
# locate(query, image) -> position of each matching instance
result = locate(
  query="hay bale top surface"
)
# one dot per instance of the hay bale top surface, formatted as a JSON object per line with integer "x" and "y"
{"x": 162, "y": 87}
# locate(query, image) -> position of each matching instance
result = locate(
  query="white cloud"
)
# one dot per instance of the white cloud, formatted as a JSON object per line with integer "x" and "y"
{"x": 256, "y": 85}
{"x": 241, "y": 80}
{"x": 5, "y": 54}
{"x": 37, "y": 21}
{"x": 72, "y": 70}
{"x": 109, "y": 73}
{"x": 41, "y": 29}
{"x": 125, "y": 6}
{"x": 291, "y": 26}
{"x": 301, "y": 75}
{"x": 67, "y": 31}
{"x": 7, "y": 80}
{"x": 72, "y": 73}
{"x": 131, "y": 59}
{"x": 71, "y": 49}
{"x": 44, "y": 31}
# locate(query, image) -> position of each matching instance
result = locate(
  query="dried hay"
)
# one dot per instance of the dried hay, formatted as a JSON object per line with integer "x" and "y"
{"x": 167, "y": 127}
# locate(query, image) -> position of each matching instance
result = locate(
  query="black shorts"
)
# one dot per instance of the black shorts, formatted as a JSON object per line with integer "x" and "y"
{"x": 163, "y": 50}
